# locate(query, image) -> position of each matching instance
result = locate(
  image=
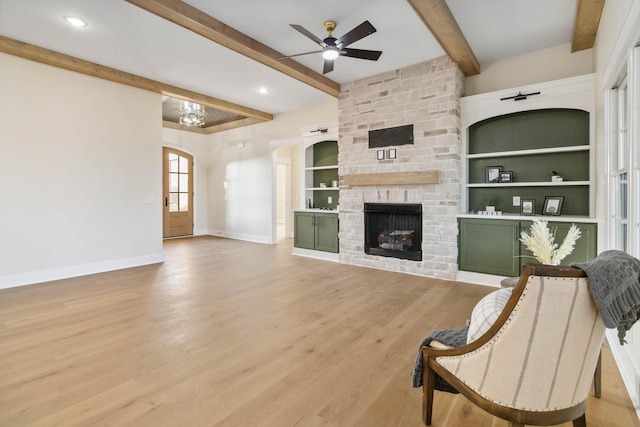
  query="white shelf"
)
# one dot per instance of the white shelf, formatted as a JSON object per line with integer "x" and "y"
{"x": 529, "y": 152}
{"x": 320, "y": 168}
{"x": 528, "y": 184}
{"x": 322, "y": 188}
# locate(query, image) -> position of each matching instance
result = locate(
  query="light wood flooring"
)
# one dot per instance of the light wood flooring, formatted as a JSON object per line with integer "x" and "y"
{"x": 231, "y": 333}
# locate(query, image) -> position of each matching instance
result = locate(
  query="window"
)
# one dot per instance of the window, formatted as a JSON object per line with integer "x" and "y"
{"x": 623, "y": 140}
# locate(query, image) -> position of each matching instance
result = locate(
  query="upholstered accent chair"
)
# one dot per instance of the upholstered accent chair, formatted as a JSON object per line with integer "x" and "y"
{"x": 535, "y": 364}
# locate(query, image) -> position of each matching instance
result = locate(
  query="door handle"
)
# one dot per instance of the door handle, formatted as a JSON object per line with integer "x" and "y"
{"x": 166, "y": 201}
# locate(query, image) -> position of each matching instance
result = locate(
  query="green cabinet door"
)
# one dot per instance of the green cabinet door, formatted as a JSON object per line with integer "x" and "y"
{"x": 584, "y": 250}
{"x": 489, "y": 246}
{"x": 304, "y": 230}
{"x": 327, "y": 232}
{"x": 316, "y": 231}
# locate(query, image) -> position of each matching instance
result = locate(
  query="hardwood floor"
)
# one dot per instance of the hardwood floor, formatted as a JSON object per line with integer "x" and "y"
{"x": 231, "y": 333}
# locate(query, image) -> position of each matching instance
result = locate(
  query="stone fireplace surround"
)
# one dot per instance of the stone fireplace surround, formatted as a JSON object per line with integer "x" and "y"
{"x": 426, "y": 95}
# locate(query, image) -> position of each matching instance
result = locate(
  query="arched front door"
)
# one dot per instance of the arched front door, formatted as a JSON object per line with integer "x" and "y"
{"x": 177, "y": 181}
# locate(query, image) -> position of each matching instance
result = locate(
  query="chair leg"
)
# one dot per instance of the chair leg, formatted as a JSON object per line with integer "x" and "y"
{"x": 597, "y": 377}
{"x": 428, "y": 385}
{"x": 580, "y": 421}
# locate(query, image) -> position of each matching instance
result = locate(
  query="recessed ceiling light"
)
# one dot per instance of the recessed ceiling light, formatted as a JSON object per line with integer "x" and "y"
{"x": 76, "y": 22}
{"x": 263, "y": 90}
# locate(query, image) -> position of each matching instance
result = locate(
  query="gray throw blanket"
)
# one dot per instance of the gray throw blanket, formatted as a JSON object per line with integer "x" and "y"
{"x": 614, "y": 278}
{"x": 450, "y": 337}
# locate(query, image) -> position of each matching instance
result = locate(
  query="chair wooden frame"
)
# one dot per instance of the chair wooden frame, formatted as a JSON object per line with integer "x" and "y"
{"x": 516, "y": 417}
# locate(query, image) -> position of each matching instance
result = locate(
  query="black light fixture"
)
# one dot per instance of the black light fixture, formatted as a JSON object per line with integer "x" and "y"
{"x": 520, "y": 96}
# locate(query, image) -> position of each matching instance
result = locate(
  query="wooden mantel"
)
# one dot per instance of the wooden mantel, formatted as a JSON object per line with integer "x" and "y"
{"x": 393, "y": 178}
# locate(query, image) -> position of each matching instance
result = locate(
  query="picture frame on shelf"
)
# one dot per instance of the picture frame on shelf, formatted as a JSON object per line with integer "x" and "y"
{"x": 380, "y": 154}
{"x": 506, "y": 176}
{"x": 527, "y": 207}
{"x": 553, "y": 205}
{"x": 492, "y": 174}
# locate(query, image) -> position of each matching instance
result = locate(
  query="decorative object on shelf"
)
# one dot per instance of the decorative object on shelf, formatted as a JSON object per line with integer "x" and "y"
{"x": 555, "y": 177}
{"x": 191, "y": 114}
{"x": 506, "y": 176}
{"x": 490, "y": 206}
{"x": 490, "y": 213}
{"x": 492, "y": 174}
{"x": 527, "y": 207}
{"x": 323, "y": 185}
{"x": 552, "y": 205}
{"x": 392, "y": 153}
{"x": 334, "y": 183}
{"x": 380, "y": 154}
{"x": 541, "y": 242}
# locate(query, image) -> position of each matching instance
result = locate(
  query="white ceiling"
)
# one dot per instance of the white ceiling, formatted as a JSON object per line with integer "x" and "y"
{"x": 125, "y": 37}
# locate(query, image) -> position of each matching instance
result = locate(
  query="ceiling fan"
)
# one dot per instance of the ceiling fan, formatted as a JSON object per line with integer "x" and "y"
{"x": 333, "y": 47}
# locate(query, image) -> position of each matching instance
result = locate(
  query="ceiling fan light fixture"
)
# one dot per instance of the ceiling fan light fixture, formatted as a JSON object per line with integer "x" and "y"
{"x": 330, "y": 53}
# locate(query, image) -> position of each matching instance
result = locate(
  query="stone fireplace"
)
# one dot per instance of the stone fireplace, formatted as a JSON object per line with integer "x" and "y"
{"x": 424, "y": 95}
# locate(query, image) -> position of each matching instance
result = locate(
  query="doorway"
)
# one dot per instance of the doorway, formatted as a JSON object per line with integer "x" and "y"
{"x": 283, "y": 200}
{"x": 177, "y": 183}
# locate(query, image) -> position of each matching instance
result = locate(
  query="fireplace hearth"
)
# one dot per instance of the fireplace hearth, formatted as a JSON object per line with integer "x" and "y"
{"x": 393, "y": 230}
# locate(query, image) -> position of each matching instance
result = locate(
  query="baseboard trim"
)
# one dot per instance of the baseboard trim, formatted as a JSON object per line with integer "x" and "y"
{"x": 479, "y": 278}
{"x": 14, "y": 280}
{"x": 326, "y": 256}
{"x": 240, "y": 236}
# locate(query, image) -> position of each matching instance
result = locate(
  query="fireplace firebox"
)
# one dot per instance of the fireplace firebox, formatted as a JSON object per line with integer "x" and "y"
{"x": 393, "y": 230}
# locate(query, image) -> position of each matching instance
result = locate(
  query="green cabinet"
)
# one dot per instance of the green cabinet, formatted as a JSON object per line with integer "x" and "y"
{"x": 492, "y": 246}
{"x": 316, "y": 231}
{"x": 489, "y": 246}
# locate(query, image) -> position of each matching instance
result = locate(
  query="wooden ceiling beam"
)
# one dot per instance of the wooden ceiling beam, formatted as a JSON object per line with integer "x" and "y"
{"x": 207, "y": 26}
{"x": 585, "y": 24}
{"x": 438, "y": 18}
{"x": 57, "y": 59}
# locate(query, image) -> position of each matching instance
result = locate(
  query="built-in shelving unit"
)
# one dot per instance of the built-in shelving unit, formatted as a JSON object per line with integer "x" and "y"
{"x": 552, "y": 131}
{"x": 530, "y": 138}
{"x": 321, "y": 175}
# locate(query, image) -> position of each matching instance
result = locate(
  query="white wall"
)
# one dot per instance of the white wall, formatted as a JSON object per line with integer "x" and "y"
{"x": 198, "y": 146}
{"x": 549, "y": 64}
{"x": 80, "y": 174}
{"x": 240, "y": 178}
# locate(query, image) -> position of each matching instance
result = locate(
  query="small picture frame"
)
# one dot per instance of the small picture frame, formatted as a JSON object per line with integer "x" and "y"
{"x": 506, "y": 176}
{"x": 527, "y": 207}
{"x": 392, "y": 153}
{"x": 380, "y": 154}
{"x": 492, "y": 174}
{"x": 552, "y": 205}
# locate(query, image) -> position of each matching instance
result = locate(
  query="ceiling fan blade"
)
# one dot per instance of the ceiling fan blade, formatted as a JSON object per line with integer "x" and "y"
{"x": 359, "y": 32}
{"x": 328, "y": 66}
{"x": 300, "y": 54}
{"x": 371, "y": 55}
{"x": 307, "y": 33}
